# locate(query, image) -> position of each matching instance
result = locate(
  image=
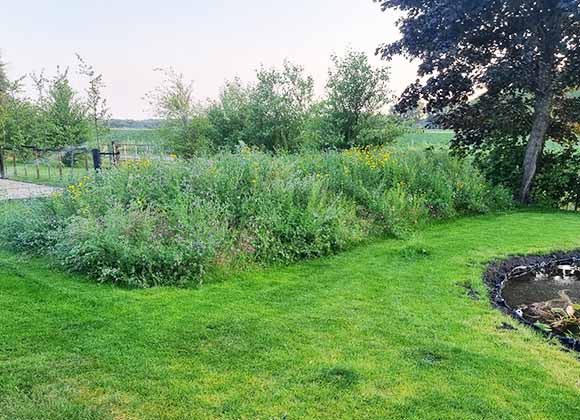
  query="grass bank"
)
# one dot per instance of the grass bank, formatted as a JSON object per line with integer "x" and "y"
{"x": 383, "y": 331}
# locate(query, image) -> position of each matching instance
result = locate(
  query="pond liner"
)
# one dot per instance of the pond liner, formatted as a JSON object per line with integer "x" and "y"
{"x": 498, "y": 273}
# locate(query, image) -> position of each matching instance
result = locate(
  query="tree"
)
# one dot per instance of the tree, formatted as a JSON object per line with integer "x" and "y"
{"x": 356, "y": 93}
{"x": 18, "y": 119}
{"x": 521, "y": 57}
{"x": 98, "y": 109}
{"x": 229, "y": 116}
{"x": 63, "y": 114}
{"x": 279, "y": 105}
{"x": 17, "y": 115}
{"x": 269, "y": 114}
{"x": 185, "y": 127}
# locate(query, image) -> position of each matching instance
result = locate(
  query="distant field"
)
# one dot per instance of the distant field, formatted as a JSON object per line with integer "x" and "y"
{"x": 134, "y": 136}
{"x": 426, "y": 138}
{"x": 416, "y": 138}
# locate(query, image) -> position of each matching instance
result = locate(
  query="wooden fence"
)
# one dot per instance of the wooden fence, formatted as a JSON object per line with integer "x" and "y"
{"x": 51, "y": 165}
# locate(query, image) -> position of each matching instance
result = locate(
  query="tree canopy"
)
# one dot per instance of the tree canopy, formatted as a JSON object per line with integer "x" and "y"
{"x": 494, "y": 70}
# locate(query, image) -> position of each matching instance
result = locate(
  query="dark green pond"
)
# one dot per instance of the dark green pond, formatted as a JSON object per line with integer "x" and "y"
{"x": 532, "y": 288}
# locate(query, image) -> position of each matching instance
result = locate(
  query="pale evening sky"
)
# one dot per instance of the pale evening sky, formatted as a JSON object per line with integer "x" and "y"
{"x": 210, "y": 41}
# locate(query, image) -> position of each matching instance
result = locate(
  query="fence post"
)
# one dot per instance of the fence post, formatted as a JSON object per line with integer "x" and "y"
{"x": 96, "y": 159}
{"x": 37, "y": 162}
{"x": 2, "y": 169}
{"x": 72, "y": 167}
{"x": 59, "y": 159}
{"x": 116, "y": 154}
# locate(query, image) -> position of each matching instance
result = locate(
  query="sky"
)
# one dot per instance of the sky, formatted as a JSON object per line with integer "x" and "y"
{"x": 209, "y": 41}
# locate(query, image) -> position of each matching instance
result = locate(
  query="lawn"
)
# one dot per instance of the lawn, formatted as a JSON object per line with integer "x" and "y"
{"x": 383, "y": 331}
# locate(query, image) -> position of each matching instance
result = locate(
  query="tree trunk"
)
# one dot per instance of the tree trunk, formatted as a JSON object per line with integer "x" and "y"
{"x": 542, "y": 119}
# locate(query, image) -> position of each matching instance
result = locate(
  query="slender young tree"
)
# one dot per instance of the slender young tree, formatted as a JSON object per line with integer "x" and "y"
{"x": 63, "y": 114}
{"x": 521, "y": 56}
{"x": 3, "y": 113}
{"x": 278, "y": 106}
{"x": 185, "y": 126}
{"x": 98, "y": 109}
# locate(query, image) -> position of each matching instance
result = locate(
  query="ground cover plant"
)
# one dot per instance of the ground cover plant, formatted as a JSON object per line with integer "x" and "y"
{"x": 396, "y": 329}
{"x": 147, "y": 224}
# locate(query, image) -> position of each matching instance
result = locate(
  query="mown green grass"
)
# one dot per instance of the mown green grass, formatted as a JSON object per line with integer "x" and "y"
{"x": 383, "y": 331}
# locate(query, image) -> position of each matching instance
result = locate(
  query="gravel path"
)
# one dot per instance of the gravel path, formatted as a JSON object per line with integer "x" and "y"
{"x": 14, "y": 190}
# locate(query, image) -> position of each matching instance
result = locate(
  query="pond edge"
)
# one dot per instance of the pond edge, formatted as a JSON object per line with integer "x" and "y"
{"x": 497, "y": 274}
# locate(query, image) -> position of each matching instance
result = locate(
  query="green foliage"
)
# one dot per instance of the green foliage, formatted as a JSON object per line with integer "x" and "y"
{"x": 57, "y": 118}
{"x": 356, "y": 94}
{"x": 558, "y": 181}
{"x": 187, "y": 138}
{"x": 425, "y": 138}
{"x": 378, "y": 130}
{"x": 19, "y": 122}
{"x": 558, "y": 175}
{"x": 149, "y": 224}
{"x": 186, "y": 127}
{"x": 494, "y": 71}
{"x": 30, "y": 227}
{"x": 19, "y": 118}
{"x": 279, "y": 104}
{"x": 229, "y": 116}
{"x": 318, "y": 131}
{"x": 278, "y": 111}
{"x": 129, "y": 124}
{"x": 63, "y": 115}
{"x": 269, "y": 114}
{"x": 96, "y": 104}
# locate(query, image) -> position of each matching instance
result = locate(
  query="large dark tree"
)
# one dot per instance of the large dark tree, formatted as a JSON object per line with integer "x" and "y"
{"x": 494, "y": 69}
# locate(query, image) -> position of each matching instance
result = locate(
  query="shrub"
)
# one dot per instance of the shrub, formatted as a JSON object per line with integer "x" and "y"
{"x": 145, "y": 224}
{"x": 31, "y": 226}
{"x": 380, "y": 130}
{"x": 187, "y": 139}
{"x": 141, "y": 247}
{"x": 558, "y": 183}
